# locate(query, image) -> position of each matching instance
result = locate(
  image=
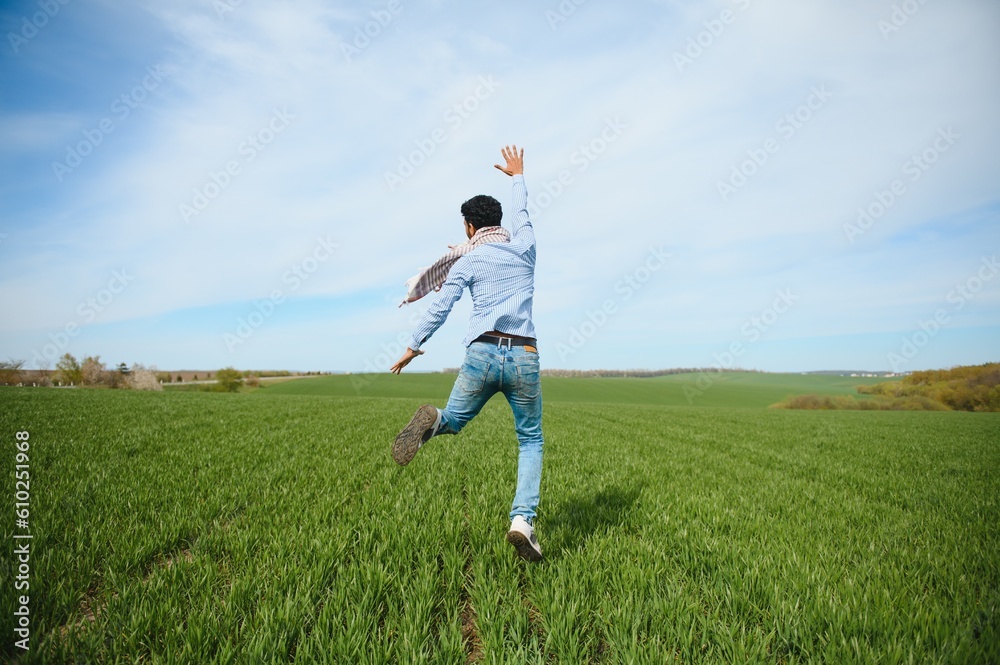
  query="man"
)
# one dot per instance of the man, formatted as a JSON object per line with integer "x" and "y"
{"x": 501, "y": 351}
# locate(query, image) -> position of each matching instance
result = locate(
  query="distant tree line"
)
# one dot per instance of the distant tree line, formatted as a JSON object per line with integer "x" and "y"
{"x": 226, "y": 380}
{"x": 170, "y": 377}
{"x": 92, "y": 372}
{"x": 71, "y": 372}
{"x": 11, "y": 372}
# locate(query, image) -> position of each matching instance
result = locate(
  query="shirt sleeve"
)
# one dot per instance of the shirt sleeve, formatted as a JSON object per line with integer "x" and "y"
{"x": 434, "y": 317}
{"x": 521, "y": 226}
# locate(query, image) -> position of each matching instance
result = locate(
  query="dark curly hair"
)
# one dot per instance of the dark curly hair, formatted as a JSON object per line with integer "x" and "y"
{"x": 482, "y": 211}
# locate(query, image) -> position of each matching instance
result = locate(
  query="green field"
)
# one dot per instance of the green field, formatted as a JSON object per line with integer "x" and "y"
{"x": 716, "y": 389}
{"x": 273, "y": 526}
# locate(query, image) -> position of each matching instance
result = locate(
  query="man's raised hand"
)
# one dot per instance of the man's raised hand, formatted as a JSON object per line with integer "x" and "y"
{"x": 515, "y": 160}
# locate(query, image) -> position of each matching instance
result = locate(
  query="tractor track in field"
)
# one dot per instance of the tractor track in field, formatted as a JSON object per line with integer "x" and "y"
{"x": 467, "y": 613}
{"x": 534, "y": 614}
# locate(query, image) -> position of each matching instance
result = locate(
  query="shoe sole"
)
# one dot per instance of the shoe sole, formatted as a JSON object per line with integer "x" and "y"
{"x": 523, "y": 546}
{"x": 408, "y": 441}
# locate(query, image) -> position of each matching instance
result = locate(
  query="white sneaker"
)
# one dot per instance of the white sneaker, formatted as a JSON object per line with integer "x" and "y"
{"x": 522, "y": 537}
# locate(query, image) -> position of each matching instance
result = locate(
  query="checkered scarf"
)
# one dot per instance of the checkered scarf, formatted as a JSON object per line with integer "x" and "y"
{"x": 432, "y": 277}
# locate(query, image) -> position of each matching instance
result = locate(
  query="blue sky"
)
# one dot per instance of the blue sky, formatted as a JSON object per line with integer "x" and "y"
{"x": 751, "y": 183}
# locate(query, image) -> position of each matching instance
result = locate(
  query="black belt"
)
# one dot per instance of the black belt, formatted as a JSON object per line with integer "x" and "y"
{"x": 508, "y": 341}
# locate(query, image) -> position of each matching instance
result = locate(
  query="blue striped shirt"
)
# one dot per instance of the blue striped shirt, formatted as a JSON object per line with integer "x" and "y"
{"x": 500, "y": 277}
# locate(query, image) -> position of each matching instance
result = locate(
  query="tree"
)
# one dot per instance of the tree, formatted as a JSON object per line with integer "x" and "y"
{"x": 968, "y": 388}
{"x": 229, "y": 379}
{"x": 10, "y": 371}
{"x": 141, "y": 378}
{"x": 92, "y": 371}
{"x": 44, "y": 376}
{"x": 68, "y": 370}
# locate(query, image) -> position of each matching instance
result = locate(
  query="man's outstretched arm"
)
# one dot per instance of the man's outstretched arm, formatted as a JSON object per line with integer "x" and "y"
{"x": 515, "y": 168}
{"x": 451, "y": 292}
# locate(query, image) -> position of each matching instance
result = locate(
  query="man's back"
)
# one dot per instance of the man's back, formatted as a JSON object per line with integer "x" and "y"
{"x": 500, "y": 278}
{"x": 502, "y": 289}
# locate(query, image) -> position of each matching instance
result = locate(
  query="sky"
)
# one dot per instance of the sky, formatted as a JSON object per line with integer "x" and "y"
{"x": 745, "y": 184}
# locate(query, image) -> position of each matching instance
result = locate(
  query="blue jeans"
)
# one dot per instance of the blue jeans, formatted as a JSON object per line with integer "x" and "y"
{"x": 487, "y": 370}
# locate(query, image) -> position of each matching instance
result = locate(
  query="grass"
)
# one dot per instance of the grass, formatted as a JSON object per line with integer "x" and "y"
{"x": 269, "y": 527}
{"x": 748, "y": 389}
